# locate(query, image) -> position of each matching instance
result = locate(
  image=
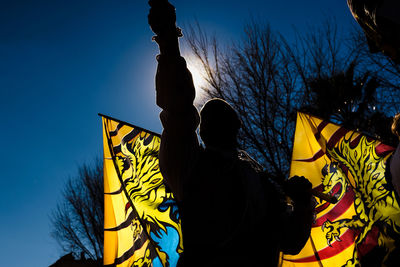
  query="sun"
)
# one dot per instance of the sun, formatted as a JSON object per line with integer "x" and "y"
{"x": 198, "y": 75}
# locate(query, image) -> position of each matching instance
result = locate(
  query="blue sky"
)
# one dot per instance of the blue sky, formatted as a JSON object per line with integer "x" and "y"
{"x": 61, "y": 63}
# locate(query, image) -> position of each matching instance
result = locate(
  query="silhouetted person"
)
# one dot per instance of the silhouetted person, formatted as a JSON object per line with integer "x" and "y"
{"x": 394, "y": 161}
{"x": 231, "y": 214}
{"x": 380, "y": 21}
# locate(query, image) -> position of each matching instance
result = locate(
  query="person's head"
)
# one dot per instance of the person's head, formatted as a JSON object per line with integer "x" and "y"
{"x": 380, "y": 22}
{"x": 219, "y": 124}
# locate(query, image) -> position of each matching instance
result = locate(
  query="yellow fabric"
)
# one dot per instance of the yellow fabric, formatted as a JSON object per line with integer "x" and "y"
{"x": 141, "y": 222}
{"x": 352, "y": 167}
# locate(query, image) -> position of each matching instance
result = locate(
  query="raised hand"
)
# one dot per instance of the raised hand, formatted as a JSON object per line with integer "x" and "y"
{"x": 162, "y": 17}
{"x": 298, "y": 189}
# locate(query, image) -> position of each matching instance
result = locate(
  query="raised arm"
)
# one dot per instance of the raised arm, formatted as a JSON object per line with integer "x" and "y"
{"x": 175, "y": 94}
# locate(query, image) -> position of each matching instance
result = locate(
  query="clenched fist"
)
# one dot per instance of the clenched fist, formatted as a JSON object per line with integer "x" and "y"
{"x": 298, "y": 189}
{"x": 162, "y": 17}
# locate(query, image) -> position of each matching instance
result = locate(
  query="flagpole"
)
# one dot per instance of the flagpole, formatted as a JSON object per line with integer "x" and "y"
{"x": 315, "y": 252}
{"x": 244, "y": 155}
{"x": 129, "y": 124}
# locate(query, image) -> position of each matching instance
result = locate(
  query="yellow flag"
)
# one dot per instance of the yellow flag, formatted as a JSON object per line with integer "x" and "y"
{"x": 350, "y": 166}
{"x": 141, "y": 220}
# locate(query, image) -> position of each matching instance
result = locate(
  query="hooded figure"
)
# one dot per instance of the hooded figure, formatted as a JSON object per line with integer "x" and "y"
{"x": 231, "y": 214}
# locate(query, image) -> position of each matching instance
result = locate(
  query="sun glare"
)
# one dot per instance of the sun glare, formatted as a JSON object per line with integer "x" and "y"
{"x": 194, "y": 65}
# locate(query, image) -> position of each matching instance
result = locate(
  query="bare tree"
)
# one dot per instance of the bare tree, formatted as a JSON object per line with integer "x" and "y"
{"x": 267, "y": 79}
{"x": 356, "y": 88}
{"x": 77, "y": 221}
{"x": 389, "y": 71}
{"x": 255, "y": 77}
